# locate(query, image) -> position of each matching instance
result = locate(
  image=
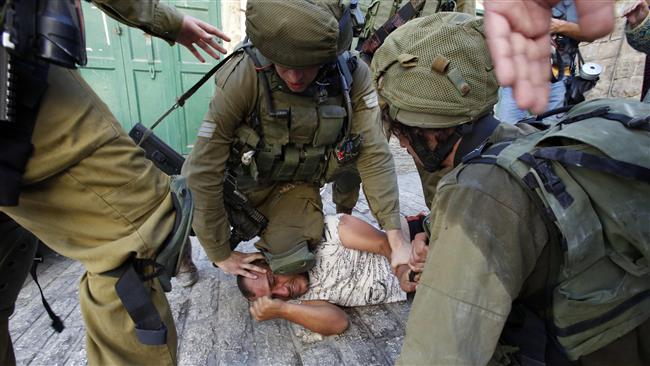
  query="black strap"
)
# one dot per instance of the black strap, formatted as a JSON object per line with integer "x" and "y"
{"x": 407, "y": 12}
{"x": 185, "y": 96}
{"x": 552, "y": 183}
{"x": 476, "y": 137}
{"x": 261, "y": 72}
{"x": 136, "y": 299}
{"x": 57, "y": 323}
{"x": 593, "y": 162}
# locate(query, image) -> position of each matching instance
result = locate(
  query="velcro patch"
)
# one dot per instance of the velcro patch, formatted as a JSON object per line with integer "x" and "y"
{"x": 207, "y": 129}
{"x": 371, "y": 100}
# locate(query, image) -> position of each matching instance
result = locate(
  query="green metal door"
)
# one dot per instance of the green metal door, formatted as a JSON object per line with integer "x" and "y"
{"x": 140, "y": 76}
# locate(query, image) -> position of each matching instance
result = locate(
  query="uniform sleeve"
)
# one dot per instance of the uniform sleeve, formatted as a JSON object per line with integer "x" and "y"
{"x": 151, "y": 16}
{"x": 233, "y": 100}
{"x": 483, "y": 246}
{"x": 375, "y": 162}
{"x": 639, "y": 36}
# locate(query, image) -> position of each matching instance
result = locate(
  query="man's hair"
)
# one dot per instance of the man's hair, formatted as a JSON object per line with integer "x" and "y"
{"x": 241, "y": 285}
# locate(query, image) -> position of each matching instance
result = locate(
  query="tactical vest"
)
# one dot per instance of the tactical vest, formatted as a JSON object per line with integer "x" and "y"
{"x": 590, "y": 174}
{"x": 292, "y": 136}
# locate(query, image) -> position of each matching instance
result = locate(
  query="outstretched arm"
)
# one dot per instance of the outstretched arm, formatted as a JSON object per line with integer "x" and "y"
{"x": 317, "y": 316}
{"x": 356, "y": 233}
{"x": 166, "y": 22}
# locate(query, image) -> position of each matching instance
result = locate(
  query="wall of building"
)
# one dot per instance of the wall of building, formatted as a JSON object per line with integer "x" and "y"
{"x": 622, "y": 74}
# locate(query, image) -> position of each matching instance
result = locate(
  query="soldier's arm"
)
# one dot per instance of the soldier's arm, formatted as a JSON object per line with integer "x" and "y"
{"x": 482, "y": 248}
{"x": 375, "y": 162}
{"x": 233, "y": 100}
{"x": 151, "y": 16}
{"x": 166, "y": 22}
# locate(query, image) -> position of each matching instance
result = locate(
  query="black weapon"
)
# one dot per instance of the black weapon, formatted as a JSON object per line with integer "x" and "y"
{"x": 246, "y": 221}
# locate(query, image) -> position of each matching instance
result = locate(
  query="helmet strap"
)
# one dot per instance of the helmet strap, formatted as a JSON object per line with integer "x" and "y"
{"x": 475, "y": 134}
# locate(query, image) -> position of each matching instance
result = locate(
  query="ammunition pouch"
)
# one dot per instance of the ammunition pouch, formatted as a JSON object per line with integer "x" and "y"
{"x": 295, "y": 260}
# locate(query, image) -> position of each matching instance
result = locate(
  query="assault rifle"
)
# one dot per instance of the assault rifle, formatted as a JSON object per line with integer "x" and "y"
{"x": 245, "y": 221}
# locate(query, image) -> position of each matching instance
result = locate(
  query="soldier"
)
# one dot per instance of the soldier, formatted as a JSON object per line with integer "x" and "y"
{"x": 289, "y": 111}
{"x": 378, "y": 12}
{"x": 515, "y": 272}
{"x": 71, "y": 176}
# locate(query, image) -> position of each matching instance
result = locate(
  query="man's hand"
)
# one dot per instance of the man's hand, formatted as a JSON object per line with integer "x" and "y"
{"x": 266, "y": 308}
{"x": 419, "y": 251}
{"x": 400, "y": 249}
{"x": 636, "y": 12}
{"x": 517, "y": 33}
{"x": 195, "y": 31}
{"x": 405, "y": 283}
{"x": 240, "y": 264}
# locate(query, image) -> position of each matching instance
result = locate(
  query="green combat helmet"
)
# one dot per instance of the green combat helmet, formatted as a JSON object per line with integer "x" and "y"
{"x": 298, "y": 33}
{"x": 435, "y": 72}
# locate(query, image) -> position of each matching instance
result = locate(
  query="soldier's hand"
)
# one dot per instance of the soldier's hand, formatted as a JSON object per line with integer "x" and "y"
{"x": 240, "y": 264}
{"x": 265, "y": 308}
{"x": 517, "y": 33}
{"x": 197, "y": 32}
{"x": 419, "y": 251}
{"x": 400, "y": 249}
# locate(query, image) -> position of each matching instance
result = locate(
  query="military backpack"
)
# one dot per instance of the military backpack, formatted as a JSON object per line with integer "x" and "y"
{"x": 590, "y": 174}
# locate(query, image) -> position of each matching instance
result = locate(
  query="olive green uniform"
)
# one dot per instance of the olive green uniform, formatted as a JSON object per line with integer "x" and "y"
{"x": 481, "y": 219}
{"x": 89, "y": 194}
{"x": 294, "y": 210}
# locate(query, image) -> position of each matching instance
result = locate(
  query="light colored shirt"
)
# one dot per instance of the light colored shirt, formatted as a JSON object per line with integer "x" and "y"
{"x": 350, "y": 277}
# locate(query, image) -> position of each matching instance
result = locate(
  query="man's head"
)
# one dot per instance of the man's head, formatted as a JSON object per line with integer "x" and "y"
{"x": 298, "y": 34}
{"x": 434, "y": 74}
{"x": 283, "y": 287}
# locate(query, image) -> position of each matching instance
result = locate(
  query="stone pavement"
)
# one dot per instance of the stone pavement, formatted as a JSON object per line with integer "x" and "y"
{"x": 212, "y": 318}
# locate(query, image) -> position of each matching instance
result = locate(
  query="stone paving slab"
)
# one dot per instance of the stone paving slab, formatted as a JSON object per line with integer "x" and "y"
{"x": 212, "y": 318}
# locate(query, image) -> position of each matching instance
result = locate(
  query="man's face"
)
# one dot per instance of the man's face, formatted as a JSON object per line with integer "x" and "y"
{"x": 277, "y": 286}
{"x": 297, "y": 79}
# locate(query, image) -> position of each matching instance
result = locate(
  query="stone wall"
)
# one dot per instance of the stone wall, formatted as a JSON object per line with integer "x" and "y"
{"x": 622, "y": 74}
{"x": 232, "y": 21}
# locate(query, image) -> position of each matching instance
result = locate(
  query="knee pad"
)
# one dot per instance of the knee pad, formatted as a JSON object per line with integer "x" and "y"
{"x": 295, "y": 260}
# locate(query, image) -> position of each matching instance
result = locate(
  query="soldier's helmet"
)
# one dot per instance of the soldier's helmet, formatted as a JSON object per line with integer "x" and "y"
{"x": 436, "y": 71}
{"x": 299, "y": 33}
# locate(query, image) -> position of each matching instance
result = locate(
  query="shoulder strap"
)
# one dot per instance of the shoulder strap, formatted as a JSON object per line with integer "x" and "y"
{"x": 407, "y": 12}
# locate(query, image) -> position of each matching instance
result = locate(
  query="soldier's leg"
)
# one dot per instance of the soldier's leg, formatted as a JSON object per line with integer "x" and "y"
{"x": 295, "y": 214}
{"x": 107, "y": 204}
{"x": 345, "y": 191}
{"x": 188, "y": 274}
{"x": 17, "y": 249}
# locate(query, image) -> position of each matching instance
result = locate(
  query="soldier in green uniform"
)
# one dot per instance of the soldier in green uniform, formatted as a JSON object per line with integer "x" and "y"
{"x": 492, "y": 257}
{"x": 287, "y": 109}
{"x": 81, "y": 185}
{"x": 345, "y": 192}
